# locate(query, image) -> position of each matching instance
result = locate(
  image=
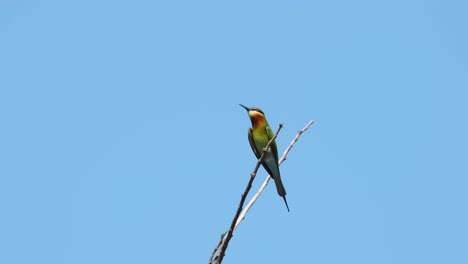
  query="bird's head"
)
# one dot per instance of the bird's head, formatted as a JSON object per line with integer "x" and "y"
{"x": 256, "y": 115}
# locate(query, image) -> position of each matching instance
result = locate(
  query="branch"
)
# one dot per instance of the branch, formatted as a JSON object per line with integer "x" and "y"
{"x": 240, "y": 214}
{"x": 225, "y": 241}
{"x": 216, "y": 248}
{"x": 283, "y": 158}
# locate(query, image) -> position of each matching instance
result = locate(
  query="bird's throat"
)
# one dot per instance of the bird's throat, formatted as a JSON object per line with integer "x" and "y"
{"x": 258, "y": 120}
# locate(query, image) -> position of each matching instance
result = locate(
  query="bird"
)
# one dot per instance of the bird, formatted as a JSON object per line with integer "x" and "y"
{"x": 259, "y": 136}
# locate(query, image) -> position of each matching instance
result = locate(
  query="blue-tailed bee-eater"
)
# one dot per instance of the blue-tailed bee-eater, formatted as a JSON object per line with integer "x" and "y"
{"x": 259, "y": 136}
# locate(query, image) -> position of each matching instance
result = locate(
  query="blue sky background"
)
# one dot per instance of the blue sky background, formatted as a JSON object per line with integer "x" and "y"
{"x": 122, "y": 141}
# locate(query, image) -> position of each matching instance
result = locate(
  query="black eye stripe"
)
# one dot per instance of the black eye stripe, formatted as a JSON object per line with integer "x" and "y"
{"x": 257, "y": 110}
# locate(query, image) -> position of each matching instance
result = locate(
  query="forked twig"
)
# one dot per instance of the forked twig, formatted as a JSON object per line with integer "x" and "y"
{"x": 216, "y": 248}
{"x": 264, "y": 184}
{"x": 228, "y": 236}
{"x": 240, "y": 213}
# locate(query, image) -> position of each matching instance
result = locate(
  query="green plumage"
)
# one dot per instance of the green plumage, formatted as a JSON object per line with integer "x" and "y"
{"x": 259, "y": 137}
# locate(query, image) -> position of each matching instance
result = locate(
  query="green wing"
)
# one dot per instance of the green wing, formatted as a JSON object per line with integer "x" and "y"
{"x": 252, "y": 144}
{"x": 274, "y": 149}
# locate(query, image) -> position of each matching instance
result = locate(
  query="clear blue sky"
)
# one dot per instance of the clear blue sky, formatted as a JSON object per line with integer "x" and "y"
{"x": 122, "y": 141}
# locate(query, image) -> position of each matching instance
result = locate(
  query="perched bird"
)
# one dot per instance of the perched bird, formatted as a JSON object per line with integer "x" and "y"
{"x": 259, "y": 137}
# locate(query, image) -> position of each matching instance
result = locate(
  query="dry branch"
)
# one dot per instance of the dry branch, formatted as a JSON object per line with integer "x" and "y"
{"x": 240, "y": 214}
{"x": 260, "y": 190}
{"x": 225, "y": 241}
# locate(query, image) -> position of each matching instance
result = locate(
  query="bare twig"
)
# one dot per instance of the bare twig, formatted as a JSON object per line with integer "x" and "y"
{"x": 228, "y": 236}
{"x": 299, "y": 133}
{"x": 260, "y": 190}
{"x": 240, "y": 214}
{"x": 216, "y": 248}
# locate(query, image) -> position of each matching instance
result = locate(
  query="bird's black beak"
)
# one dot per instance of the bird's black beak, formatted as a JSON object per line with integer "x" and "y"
{"x": 245, "y": 107}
